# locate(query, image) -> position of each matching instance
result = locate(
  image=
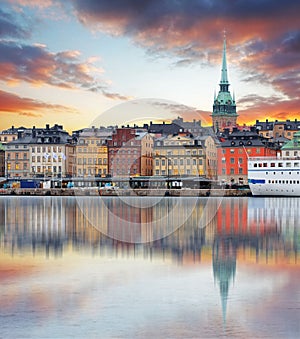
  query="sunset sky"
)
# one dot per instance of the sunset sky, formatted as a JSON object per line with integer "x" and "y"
{"x": 74, "y": 61}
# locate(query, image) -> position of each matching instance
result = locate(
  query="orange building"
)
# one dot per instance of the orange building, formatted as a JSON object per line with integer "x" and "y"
{"x": 234, "y": 151}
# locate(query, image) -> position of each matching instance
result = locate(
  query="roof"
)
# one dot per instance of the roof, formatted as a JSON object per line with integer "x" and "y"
{"x": 293, "y": 144}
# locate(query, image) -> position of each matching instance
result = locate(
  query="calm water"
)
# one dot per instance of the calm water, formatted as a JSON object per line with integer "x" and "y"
{"x": 90, "y": 267}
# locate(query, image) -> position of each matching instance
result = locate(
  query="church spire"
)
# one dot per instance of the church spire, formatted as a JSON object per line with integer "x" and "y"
{"x": 224, "y": 108}
{"x": 224, "y": 77}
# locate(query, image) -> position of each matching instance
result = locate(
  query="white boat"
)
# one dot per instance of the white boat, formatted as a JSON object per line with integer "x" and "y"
{"x": 275, "y": 176}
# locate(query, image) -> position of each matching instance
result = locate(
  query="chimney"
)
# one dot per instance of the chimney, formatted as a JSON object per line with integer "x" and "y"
{"x": 267, "y": 120}
{"x": 47, "y": 126}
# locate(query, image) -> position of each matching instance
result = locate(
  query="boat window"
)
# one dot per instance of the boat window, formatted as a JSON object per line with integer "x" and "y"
{"x": 288, "y": 164}
{"x": 272, "y": 164}
{"x": 255, "y": 165}
{"x": 280, "y": 164}
{"x": 296, "y": 164}
{"x": 260, "y": 164}
{"x": 279, "y": 181}
{"x": 265, "y": 164}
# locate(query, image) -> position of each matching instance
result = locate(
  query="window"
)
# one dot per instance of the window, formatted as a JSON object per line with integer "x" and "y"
{"x": 232, "y": 160}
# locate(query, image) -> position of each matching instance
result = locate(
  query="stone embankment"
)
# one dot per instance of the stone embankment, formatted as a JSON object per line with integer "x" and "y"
{"x": 126, "y": 192}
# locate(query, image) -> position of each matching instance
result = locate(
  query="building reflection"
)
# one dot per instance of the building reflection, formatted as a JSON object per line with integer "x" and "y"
{"x": 182, "y": 230}
{"x": 261, "y": 229}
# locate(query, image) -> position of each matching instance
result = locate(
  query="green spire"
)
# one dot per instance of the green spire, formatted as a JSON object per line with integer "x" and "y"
{"x": 224, "y": 78}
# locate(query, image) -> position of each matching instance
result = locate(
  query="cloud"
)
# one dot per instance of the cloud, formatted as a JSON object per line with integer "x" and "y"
{"x": 14, "y": 104}
{"x": 263, "y": 36}
{"x": 34, "y": 64}
{"x": 273, "y": 108}
{"x": 9, "y": 28}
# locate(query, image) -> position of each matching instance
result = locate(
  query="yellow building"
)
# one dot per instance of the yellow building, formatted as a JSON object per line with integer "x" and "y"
{"x": 179, "y": 155}
{"x": 92, "y": 152}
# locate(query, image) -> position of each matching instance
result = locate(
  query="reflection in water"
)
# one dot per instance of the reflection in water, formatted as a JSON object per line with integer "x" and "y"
{"x": 269, "y": 226}
{"x": 183, "y": 230}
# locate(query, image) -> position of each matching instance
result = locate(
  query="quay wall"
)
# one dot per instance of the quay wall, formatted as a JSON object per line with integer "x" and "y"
{"x": 126, "y": 192}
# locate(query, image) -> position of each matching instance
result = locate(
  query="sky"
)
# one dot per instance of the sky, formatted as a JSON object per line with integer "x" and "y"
{"x": 81, "y": 62}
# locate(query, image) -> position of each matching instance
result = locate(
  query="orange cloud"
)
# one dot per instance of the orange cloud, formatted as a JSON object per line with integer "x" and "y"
{"x": 11, "y": 103}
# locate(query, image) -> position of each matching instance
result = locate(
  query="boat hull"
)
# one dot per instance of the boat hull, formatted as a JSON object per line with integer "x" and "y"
{"x": 274, "y": 176}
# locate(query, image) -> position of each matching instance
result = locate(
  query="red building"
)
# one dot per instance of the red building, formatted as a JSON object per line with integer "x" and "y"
{"x": 234, "y": 150}
{"x": 130, "y": 153}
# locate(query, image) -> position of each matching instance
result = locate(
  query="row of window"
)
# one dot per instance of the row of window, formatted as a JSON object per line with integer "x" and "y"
{"x": 49, "y": 169}
{"x": 232, "y": 171}
{"x": 17, "y": 156}
{"x": 276, "y": 173}
{"x": 291, "y": 182}
{"x": 278, "y": 164}
{"x": 44, "y": 149}
{"x": 240, "y": 150}
{"x": 90, "y": 161}
{"x": 91, "y": 171}
{"x": 174, "y": 162}
{"x": 176, "y": 172}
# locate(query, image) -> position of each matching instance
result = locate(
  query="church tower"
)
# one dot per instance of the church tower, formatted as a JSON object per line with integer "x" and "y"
{"x": 224, "y": 109}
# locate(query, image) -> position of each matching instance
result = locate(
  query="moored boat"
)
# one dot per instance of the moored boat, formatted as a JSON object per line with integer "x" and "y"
{"x": 277, "y": 176}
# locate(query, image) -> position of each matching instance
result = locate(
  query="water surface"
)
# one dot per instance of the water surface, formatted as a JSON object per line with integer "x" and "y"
{"x": 149, "y": 267}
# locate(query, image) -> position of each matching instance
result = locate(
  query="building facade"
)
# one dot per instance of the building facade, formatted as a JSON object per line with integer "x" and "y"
{"x": 179, "y": 155}
{"x": 45, "y": 153}
{"x": 130, "y": 153}
{"x": 234, "y": 151}
{"x": 92, "y": 152}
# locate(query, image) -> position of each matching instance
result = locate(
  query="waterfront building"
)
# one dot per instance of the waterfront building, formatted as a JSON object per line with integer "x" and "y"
{"x": 292, "y": 147}
{"x": 224, "y": 108}
{"x": 130, "y": 152}
{"x": 179, "y": 155}
{"x": 234, "y": 150}
{"x": 45, "y": 153}
{"x": 211, "y": 155}
{"x": 277, "y": 129}
{"x": 92, "y": 152}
